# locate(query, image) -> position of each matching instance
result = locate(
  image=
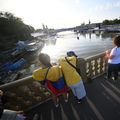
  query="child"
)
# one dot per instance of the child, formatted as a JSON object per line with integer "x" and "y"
{"x": 51, "y": 75}
{"x": 72, "y": 77}
{"x": 113, "y": 57}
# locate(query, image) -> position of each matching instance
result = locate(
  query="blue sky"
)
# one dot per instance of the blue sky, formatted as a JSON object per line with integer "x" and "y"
{"x": 62, "y": 13}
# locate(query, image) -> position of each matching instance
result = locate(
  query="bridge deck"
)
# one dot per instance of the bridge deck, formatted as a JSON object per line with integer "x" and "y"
{"x": 102, "y": 103}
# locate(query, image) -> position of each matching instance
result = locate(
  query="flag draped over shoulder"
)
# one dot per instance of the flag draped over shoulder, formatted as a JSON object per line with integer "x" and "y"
{"x": 54, "y": 79}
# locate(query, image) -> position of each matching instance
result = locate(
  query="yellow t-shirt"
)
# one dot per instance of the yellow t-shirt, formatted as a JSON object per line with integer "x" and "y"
{"x": 54, "y": 73}
{"x": 70, "y": 73}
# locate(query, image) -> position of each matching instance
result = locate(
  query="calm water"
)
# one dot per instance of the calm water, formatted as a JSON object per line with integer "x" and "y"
{"x": 87, "y": 45}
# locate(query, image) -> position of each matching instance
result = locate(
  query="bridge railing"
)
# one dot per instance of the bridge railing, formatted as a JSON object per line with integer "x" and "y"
{"x": 92, "y": 67}
{"x": 26, "y": 93}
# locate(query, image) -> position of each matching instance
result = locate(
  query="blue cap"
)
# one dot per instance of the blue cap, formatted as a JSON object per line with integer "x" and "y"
{"x": 71, "y": 53}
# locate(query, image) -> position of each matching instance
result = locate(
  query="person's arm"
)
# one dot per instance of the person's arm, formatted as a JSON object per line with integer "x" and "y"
{"x": 110, "y": 55}
{"x": 39, "y": 74}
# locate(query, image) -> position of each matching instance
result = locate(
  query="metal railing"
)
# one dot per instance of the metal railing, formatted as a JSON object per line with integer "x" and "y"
{"x": 25, "y": 93}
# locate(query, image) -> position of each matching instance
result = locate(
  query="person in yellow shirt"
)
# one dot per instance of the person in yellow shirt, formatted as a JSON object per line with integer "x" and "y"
{"x": 53, "y": 78}
{"x": 72, "y": 77}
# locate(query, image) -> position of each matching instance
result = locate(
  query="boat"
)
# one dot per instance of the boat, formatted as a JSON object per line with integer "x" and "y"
{"x": 9, "y": 71}
{"x": 12, "y": 66}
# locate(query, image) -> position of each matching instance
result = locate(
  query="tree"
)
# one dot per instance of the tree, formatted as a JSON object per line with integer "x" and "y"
{"x": 111, "y": 22}
{"x": 13, "y": 29}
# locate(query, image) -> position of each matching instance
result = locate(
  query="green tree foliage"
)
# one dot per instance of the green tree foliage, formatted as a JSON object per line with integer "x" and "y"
{"x": 111, "y": 22}
{"x": 12, "y": 29}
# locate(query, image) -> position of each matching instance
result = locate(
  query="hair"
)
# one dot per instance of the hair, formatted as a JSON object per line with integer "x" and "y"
{"x": 44, "y": 59}
{"x": 116, "y": 41}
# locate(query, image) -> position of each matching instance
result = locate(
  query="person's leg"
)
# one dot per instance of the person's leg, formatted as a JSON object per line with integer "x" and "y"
{"x": 1, "y": 112}
{"x": 80, "y": 91}
{"x": 77, "y": 91}
{"x": 55, "y": 100}
{"x": 109, "y": 71}
{"x": 21, "y": 117}
{"x": 73, "y": 90}
{"x": 66, "y": 95}
{"x": 119, "y": 67}
{"x": 119, "y": 70}
{"x": 115, "y": 71}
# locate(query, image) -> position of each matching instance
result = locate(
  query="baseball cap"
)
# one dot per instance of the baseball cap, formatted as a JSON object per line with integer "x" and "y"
{"x": 71, "y": 53}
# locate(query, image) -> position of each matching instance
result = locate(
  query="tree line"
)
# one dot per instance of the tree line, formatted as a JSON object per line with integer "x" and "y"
{"x": 111, "y": 22}
{"x": 12, "y": 29}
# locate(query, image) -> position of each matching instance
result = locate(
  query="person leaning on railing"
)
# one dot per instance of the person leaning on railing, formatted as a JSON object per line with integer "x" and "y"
{"x": 72, "y": 77}
{"x": 52, "y": 78}
{"x": 113, "y": 57}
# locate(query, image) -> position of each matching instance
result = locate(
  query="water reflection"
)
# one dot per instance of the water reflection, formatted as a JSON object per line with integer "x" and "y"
{"x": 106, "y": 35}
{"x": 51, "y": 41}
{"x": 87, "y": 45}
{"x": 89, "y": 35}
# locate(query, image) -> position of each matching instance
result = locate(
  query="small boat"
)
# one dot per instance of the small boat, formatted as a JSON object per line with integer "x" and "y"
{"x": 31, "y": 47}
{"x": 10, "y": 66}
{"x": 20, "y": 48}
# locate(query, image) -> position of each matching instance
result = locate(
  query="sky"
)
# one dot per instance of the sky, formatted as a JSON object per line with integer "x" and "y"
{"x": 61, "y": 13}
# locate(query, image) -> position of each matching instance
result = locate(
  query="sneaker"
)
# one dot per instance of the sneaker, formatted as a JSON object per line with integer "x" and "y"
{"x": 79, "y": 100}
{"x": 113, "y": 78}
{"x": 56, "y": 105}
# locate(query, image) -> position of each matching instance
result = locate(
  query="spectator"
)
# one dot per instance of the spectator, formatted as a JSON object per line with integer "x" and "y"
{"x": 53, "y": 78}
{"x": 72, "y": 77}
{"x": 113, "y": 57}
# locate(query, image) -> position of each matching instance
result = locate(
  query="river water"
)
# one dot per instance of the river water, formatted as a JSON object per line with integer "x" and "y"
{"x": 87, "y": 45}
